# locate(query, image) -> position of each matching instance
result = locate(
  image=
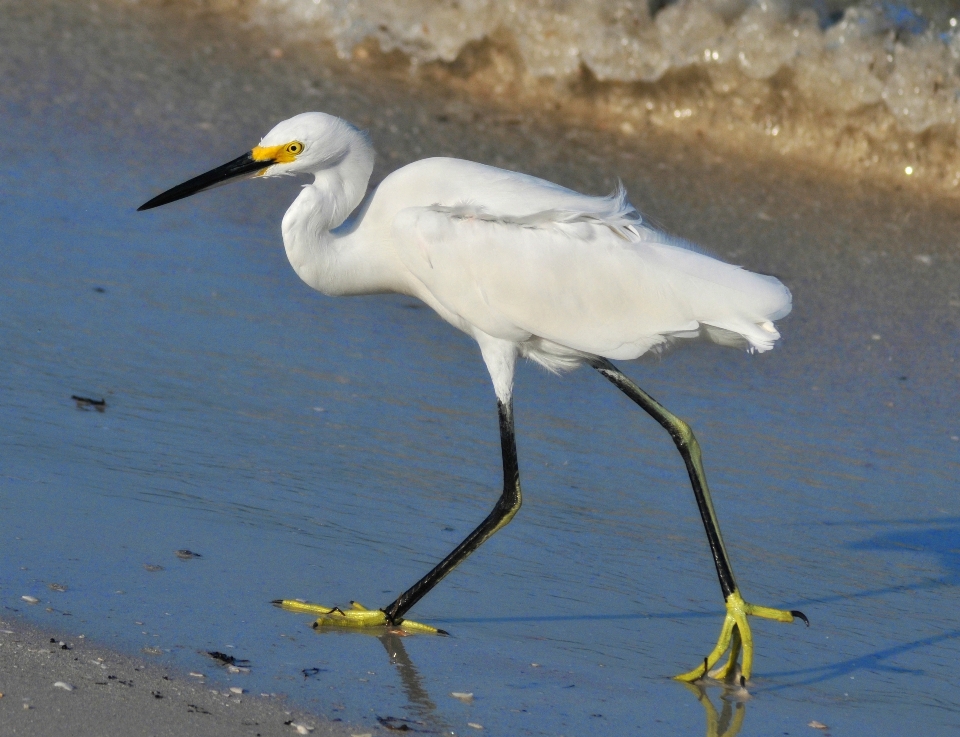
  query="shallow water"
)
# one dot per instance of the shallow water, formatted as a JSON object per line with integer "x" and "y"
{"x": 336, "y": 449}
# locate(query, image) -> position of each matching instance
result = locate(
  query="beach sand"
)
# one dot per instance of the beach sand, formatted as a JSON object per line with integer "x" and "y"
{"x": 166, "y": 92}
{"x": 55, "y": 684}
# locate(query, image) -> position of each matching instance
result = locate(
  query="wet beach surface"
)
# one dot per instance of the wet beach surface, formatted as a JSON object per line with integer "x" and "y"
{"x": 70, "y": 686}
{"x": 336, "y": 449}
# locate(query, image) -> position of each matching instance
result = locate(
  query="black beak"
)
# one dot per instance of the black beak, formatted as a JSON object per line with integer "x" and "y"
{"x": 240, "y": 168}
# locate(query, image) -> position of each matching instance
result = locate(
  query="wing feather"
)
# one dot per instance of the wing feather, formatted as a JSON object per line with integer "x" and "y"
{"x": 594, "y": 281}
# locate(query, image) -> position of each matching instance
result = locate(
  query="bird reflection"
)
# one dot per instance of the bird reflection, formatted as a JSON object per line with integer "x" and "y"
{"x": 726, "y": 723}
{"x": 420, "y": 703}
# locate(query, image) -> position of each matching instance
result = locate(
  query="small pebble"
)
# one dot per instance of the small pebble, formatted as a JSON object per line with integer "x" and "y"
{"x": 237, "y": 690}
{"x": 301, "y": 728}
{"x": 56, "y": 587}
{"x": 30, "y": 599}
{"x": 474, "y": 725}
{"x": 464, "y": 697}
{"x": 817, "y": 725}
{"x": 152, "y": 568}
{"x": 197, "y": 675}
{"x": 65, "y": 686}
{"x": 27, "y": 706}
{"x": 153, "y": 651}
{"x": 187, "y": 554}
{"x": 237, "y": 669}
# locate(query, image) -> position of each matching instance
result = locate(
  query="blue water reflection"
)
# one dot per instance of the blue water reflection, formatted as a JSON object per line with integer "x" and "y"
{"x": 331, "y": 450}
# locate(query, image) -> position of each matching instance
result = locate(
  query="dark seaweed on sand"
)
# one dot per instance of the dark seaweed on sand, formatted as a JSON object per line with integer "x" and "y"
{"x": 225, "y": 659}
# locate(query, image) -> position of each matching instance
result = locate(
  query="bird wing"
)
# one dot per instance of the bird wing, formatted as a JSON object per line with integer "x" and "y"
{"x": 594, "y": 281}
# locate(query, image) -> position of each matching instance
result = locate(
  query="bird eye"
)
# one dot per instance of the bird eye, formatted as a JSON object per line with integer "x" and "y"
{"x": 294, "y": 148}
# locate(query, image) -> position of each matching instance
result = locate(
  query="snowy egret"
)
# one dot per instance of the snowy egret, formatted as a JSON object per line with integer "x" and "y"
{"x": 528, "y": 269}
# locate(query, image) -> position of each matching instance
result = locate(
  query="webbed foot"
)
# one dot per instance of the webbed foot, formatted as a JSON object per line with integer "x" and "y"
{"x": 735, "y": 636}
{"x": 357, "y": 616}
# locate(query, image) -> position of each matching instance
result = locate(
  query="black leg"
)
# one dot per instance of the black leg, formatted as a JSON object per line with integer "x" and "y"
{"x": 506, "y": 507}
{"x": 687, "y": 444}
{"x": 735, "y": 635}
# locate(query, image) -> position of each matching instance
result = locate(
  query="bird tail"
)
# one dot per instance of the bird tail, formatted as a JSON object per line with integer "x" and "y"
{"x": 730, "y": 305}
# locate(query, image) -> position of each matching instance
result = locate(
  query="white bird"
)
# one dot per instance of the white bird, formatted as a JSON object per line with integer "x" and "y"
{"x": 528, "y": 269}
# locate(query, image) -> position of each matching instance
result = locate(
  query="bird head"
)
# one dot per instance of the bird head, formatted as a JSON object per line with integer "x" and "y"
{"x": 308, "y": 143}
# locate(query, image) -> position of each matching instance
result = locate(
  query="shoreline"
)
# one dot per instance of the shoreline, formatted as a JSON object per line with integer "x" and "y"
{"x": 53, "y": 682}
{"x": 196, "y": 327}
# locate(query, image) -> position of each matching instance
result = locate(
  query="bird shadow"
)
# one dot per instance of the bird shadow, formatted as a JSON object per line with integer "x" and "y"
{"x": 874, "y": 662}
{"x": 939, "y": 538}
{"x": 941, "y": 542}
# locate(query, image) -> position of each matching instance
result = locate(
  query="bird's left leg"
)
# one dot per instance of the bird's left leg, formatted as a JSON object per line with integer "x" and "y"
{"x": 393, "y": 615}
{"x": 735, "y": 633}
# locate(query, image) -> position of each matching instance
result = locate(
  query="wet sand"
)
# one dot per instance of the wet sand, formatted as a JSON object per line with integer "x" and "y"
{"x": 162, "y": 94}
{"x": 53, "y": 683}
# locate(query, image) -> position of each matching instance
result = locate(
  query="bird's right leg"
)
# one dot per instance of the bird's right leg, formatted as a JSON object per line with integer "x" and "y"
{"x": 735, "y": 634}
{"x": 393, "y": 615}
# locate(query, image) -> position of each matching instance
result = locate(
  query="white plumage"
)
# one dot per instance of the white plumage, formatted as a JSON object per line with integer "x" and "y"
{"x": 524, "y": 266}
{"x": 528, "y": 268}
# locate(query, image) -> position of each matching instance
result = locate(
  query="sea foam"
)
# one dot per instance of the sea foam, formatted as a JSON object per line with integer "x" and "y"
{"x": 831, "y": 57}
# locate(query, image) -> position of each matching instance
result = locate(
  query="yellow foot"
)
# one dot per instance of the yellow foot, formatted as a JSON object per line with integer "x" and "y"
{"x": 735, "y": 636}
{"x": 357, "y": 616}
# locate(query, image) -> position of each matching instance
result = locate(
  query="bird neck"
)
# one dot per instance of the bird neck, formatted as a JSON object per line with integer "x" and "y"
{"x": 315, "y": 244}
